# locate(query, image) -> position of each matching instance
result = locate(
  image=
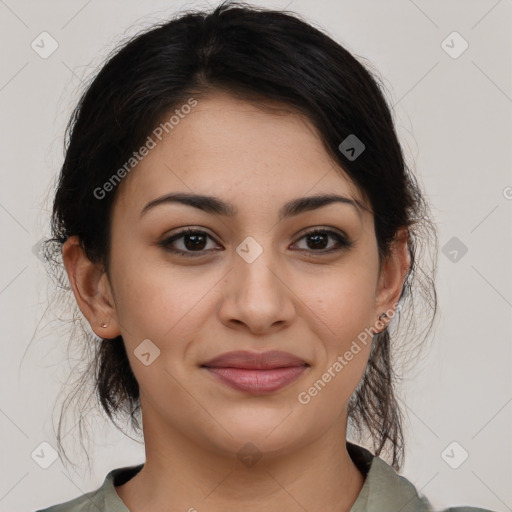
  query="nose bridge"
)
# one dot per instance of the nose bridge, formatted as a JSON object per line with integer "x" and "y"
{"x": 257, "y": 294}
{"x": 255, "y": 267}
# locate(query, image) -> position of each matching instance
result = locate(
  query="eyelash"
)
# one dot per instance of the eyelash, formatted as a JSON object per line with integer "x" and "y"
{"x": 344, "y": 244}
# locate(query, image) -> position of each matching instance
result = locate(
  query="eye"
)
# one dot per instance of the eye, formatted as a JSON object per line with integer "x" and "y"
{"x": 194, "y": 241}
{"x": 318, "y": 240}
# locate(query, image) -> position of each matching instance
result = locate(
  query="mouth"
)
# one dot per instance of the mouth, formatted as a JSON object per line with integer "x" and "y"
{"x": 256, "y": 373}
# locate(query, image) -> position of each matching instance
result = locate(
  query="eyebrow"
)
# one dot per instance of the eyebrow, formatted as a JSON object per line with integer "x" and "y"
{"x": 215, "y": 205}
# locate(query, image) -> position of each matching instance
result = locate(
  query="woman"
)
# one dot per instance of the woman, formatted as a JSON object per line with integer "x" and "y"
{"x": 239, "y": 228}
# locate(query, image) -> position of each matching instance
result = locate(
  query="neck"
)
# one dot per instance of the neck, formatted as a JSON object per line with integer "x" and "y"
{"x": 317, "y": 476}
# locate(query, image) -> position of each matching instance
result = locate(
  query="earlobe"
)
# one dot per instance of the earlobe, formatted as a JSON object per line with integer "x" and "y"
{"x": 91, "y": 289}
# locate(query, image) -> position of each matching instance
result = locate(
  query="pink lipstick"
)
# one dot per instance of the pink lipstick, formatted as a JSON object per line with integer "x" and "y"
{"x": 254, "y": 372}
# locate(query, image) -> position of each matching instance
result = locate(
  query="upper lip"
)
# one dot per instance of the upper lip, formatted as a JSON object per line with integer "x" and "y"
{"x": 255, "y": 360}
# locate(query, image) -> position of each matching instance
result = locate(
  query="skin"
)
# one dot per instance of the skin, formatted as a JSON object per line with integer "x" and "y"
{"x": 195, "y": 308}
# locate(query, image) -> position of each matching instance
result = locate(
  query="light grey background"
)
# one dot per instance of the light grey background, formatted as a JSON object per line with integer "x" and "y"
{"x": 453, "y": 116}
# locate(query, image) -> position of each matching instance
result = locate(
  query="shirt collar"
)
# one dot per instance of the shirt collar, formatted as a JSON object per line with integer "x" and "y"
{"x": 384, "y": 490}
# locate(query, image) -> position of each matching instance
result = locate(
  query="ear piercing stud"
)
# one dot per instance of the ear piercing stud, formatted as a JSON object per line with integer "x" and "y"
{"x": 103, "y": 324}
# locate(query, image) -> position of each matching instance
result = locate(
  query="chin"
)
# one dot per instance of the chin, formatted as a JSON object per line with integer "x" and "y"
{"x": 272, "y": 432}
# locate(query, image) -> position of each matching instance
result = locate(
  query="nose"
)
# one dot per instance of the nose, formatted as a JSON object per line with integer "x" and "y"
{"x": 257, "y": 296}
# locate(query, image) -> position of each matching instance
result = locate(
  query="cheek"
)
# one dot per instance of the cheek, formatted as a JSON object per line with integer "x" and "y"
{"x": 342, "y": 302}
{"x": 341, "y": 359}
{"x": 341, "y": 312}
{"x": 152, "y": 298}
{"x": 164, "y": 307}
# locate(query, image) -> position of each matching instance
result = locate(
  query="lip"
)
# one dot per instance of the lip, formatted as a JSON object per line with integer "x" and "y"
{"x": 255, "y": 360}
{"x": 257, "y": 382}
{"x": 256, "y": 373}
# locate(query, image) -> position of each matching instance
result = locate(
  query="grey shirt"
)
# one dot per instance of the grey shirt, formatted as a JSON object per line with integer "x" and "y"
{"x": 384, "y": 490}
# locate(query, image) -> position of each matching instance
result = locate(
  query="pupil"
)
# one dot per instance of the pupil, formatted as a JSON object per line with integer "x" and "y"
{"x": 316, "y": 238}
{"x": 197, "y": 241}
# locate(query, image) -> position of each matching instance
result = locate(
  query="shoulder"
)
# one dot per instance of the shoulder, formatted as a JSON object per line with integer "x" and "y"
{"x": 466, "y": 509}
{"x": 396, "y": 491}
{"x": 402, "y": 492}
{"x": 384, "y": 490}
{"x": 103, "y": 499}
{"x": 91, "y": 501}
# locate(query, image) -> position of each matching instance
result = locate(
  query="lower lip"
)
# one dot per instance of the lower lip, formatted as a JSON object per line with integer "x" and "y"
{"x": 257, "y": 382}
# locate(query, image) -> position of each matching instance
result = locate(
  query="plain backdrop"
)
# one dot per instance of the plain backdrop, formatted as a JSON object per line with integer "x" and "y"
{"x": 453, "y": 116}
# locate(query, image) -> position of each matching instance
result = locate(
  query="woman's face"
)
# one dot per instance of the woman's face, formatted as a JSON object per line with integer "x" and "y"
{"x": 245, "y": 283}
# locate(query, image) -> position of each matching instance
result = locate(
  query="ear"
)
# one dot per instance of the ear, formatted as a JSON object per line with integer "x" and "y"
{"x": 91, "y": 288}
{"x": 392, "y": 275}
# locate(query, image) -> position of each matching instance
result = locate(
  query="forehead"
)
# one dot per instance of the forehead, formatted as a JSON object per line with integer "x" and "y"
{"x": 240, "y": 152}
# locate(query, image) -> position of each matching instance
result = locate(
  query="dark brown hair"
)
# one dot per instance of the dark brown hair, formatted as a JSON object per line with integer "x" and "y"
{"x": 255, "y": 54}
